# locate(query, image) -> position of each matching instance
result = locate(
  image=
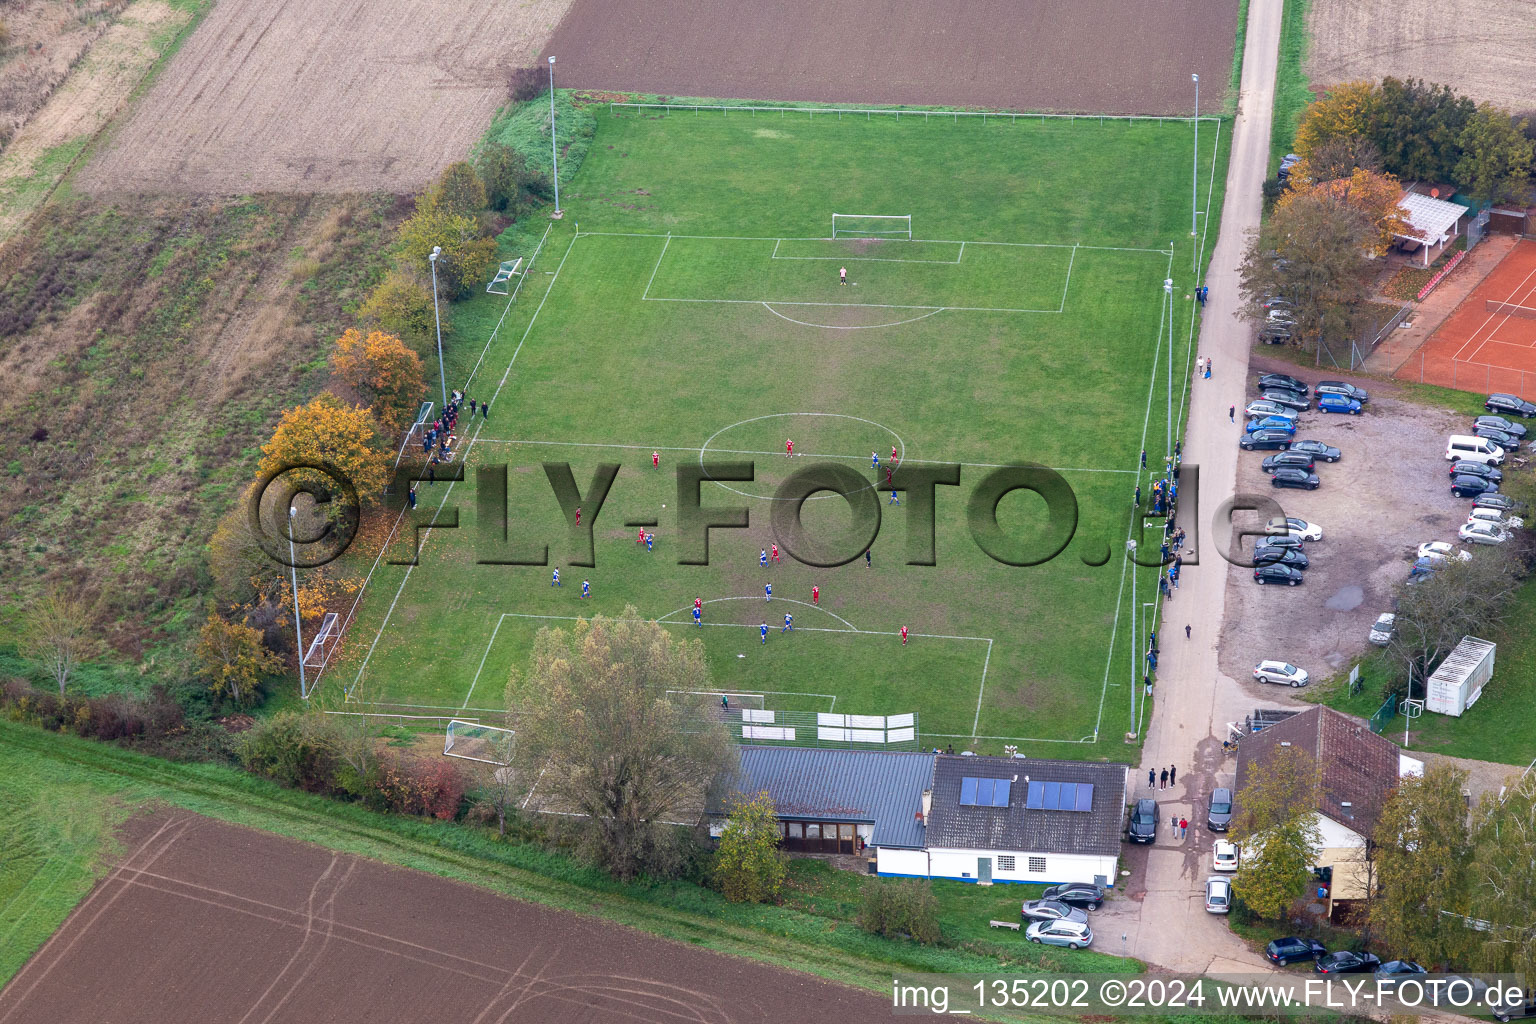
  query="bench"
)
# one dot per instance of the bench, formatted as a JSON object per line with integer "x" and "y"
{"x": 1006, "y": 924}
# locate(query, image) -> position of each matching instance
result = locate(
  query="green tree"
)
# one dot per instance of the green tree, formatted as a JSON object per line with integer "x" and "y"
{"x": 457, "y": 192}
{"x": 749, "y": 867}
{"x": 1495, "y": 162}
{"x": 1423, "y": 846}
{"x": 605, "y": 732}
{"x": 402, "y": 305}
{"x": 899, "y": 909}
{"x": 1504, "y": 879}
{"x": 466, "y": 257}
{"x": 234, "y": 660}
{"x": 1418, "y": 128}
{"x": 1276, "y": 825}
{"x": 510, "y": 185}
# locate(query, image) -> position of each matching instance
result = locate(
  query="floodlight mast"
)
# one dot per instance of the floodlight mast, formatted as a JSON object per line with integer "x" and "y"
{"x": 554, "y": 149}
{"x": 1194, "y": 179}
{"x": 293, "y": 574}
{"x": 442, "y": 377}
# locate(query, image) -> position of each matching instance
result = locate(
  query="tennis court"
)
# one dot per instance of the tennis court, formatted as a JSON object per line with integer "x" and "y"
{"x": 1488, "y": 343}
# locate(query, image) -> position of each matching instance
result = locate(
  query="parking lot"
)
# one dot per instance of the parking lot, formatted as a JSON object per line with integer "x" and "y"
{"x": 1387, "y": 494}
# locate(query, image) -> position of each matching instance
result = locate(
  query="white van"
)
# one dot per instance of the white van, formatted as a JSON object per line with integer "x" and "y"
{"x": 1473, "y": 449}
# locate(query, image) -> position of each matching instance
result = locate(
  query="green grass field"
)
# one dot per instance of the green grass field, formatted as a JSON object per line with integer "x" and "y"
{"x": 688, "y": 303}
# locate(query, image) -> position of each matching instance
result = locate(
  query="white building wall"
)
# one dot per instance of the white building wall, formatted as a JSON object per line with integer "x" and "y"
{"x": 909, "y": 863}
{"x": 1336, "y": 836}
{"x": 1027, "y": 867}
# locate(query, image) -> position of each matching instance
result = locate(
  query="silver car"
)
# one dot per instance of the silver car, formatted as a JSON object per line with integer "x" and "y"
{"x": 1072, "y": 934}
{"x": 1381, "y": 632}
{"x": 1263, "y": 407}
{"x": 1052, "y": 910}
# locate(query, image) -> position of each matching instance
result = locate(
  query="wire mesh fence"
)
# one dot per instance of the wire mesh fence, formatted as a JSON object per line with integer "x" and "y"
{"x": 1464, "y": 375}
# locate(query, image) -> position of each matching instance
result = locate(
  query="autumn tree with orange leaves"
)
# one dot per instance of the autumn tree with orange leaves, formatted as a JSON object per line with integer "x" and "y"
{"x": 328, "y": 430}
{"x": 382, "y": 369}
{"x": 1368, "y": 197}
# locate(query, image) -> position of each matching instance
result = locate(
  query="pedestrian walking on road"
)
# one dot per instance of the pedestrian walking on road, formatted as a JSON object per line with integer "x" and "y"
{"x": 1186, "y": 632}
{"x": 1207, "y": 367}
{"x": 1183, "y": 828}
{"x": 1232, "y": 413}
{"x": 1173, "y": 775}
{"x": 1151, "y": 775}
{"x": 1162, "y": 779}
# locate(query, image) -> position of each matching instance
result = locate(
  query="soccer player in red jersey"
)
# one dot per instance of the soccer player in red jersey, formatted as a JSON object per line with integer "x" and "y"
{"x": 656, "y": 460}
{"x": 816, "y": 595}
{"x": 903, "y": 636}
{"x": 789, "y": 449}
{"x": 776, "y": 553}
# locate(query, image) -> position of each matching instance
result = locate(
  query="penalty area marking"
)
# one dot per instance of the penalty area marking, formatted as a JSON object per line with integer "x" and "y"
{"x": 863, "y": 259}
{"x": 851, "y": 327}
{"x": 853, "y": 630}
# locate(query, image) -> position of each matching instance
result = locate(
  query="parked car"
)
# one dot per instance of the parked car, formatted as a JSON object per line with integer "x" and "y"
{"x": 1503, "y": 438}
{"x": 1293, "y": 527}
{"x": 1510, "y": 405}
{"x": 1466, "y": 467}
{"x": 1467, "y": 486}
{"x": 1502, "y": 502}
{"x": 1284, "y": 540}
{"x": 1270, "y": 423}
{"x": 1330, "y": 402}
{"x": 1497, "y": 517}
{"x": 1289, "y": 476}
{"x": 1347, "y": 962}
{"x": 1218, "y": 816}
{"x": 1287, "y": 163}
{"x": 1291, "y": 949}
{"x": 1517, "y": 430}
{"x": 1051, "y": 910}
{"x": 1076, "y": 894}
{"x": 1279, "y": 672}
{"x": 1338, "y": 387}
{"x": 1261, "y": 407}
{"x": 1072, "y": 934}
{"x": 1218, "y": 895}
{"x": 1439, "y": 549}
{"x": 1318, "y": 450}
{"x": 1226, "y": 856}
{"x": 1482, "y": 533}
{"x": 1289, "y": 399}
{"x": 1385, "y": 627}
{"x": 1425, "y": 567}
{"x": 1517, "y": 1009}
{"x": 1274, "y": 334}
{"x": 1393, "y": 971}
{"x": 1266, "y": 438}
{"x": 1278, "y": 574}
{"x": 1297, "y": 460}
{"x": 1281, "y": 556}
{"x": 1144, "y": 818}
{"x": 1283, "y": 380}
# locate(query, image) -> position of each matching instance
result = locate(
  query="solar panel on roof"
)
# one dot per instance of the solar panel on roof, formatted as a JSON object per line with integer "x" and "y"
{"x": 1034, "y": 799}
{"x": 1084, "y": 796}
{"x": 1000, "y": 789}
{"x": 1052, "y": 796}
{"x": 968, "y": 790}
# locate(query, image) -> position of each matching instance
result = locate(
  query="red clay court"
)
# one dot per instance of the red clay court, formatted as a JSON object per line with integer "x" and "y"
{"x": 1488, "y": 343}
{"x": 204, "y": 921}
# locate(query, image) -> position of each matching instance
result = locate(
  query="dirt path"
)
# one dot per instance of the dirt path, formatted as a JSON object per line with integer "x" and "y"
{"x": 1194, "y": 701}
{"x": 307, "y": 934}
{"x": 356, "y": 96}
{"x": 95, "y": 91}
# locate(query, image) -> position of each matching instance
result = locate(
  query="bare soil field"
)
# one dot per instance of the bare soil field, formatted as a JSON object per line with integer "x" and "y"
{"x": 305, "y": 934}
{"x": 1100, "y": 56}
{"x": 1485, "y": 49}
{"x": 287, "y": 96}
{"x": 1385, "y": 496}
{"x": 43, "y": 41}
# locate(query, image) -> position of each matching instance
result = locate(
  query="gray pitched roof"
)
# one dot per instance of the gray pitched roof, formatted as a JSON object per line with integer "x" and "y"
{"x": 874, "y": 786}
{"x": 952, "y": 825}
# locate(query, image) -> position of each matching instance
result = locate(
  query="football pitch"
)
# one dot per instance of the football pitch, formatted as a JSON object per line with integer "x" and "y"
{"x": 690, "y": 304}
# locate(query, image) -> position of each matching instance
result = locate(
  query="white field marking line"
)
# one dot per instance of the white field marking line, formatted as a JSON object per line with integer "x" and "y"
{"x": 661, "y": 256}
{"x": 510, "y": 300}
{"x": 429, "y": 707}
{"x": 861, "y": 259}
{"x": 1205, "y": 231}
{"x": 748, "y": 625}
{"x": 390, "y": 537}
{"x": 847, "y": 305}
{"x": 1490, "y": 318}
{"x": 1126, "y": 565}
{"x": 808, "y": 455}
{"x": 930, "y": 241}
{"x": 481, "y": 667}
{"x": 464, "y": 459}
{"x": 788, "y": 600}
{"x": 1068, "y": 282}
{"x": 423, "y": 718}
{"x": 850, "y": 327}
{"x": 759, "y": 693}
{"x": 1006, "y": 739}
{"x": 976, "y": 722}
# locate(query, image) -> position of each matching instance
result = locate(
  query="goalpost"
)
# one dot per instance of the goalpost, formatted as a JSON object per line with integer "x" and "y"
{"x": 731, "y": 700}
{"x": 501, "y": 283}
{"x": 872, "y": 225}
{"x": 472, "y": 741}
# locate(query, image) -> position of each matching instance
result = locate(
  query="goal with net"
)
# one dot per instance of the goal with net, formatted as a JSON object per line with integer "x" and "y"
{"x": 501, "y": 284}
{"x": 720, "y": 698}
{"x": 475, "y": 742}
{"x": 872, "y": 225}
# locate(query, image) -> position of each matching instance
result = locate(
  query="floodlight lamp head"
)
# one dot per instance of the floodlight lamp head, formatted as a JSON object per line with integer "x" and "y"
{"x": 436, "y": 250}
{"x": 293, "y": 510}
{"x": 551, "y": 58}
{"x": 1195, "y": 79}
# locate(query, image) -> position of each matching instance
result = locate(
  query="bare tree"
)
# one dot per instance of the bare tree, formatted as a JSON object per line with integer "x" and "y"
{"x": 1504, "y": 872}
{"x": 613, "y": 730}
{"x": 56, "y": 634}
{"x": 1423, "y": 849}
{"x": 1457, "y": 600}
